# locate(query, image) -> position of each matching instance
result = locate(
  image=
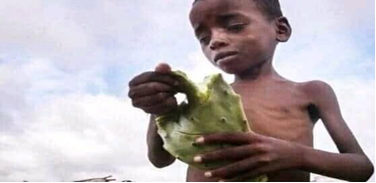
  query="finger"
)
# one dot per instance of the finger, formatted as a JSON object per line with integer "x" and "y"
{"x": 154, "y": 77}
{"x": 230, "y": 153}
{"x": 150, "y": 88}
{"x": 229, "y": 138}
{"x": 240, "y": 167}
{"x": 151, "y": 100}
{"x": 163, "y": 68}
{"x": 168, "y": 105}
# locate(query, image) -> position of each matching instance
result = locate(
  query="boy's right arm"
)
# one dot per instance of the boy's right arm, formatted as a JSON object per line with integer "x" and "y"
{"x": 153, "y": 92}
{"x": 156, "y": 153}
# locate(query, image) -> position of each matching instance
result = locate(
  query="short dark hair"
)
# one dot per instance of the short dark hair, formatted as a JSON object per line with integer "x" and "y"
{"x": 271, "y": 8}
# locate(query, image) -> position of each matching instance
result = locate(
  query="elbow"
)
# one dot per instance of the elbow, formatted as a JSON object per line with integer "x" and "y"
{"x": 367, "y": 172}
{"x": 161, "y": 164}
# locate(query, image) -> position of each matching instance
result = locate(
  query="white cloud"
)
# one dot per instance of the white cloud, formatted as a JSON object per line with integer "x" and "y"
{"x": 41, "y": 30}
{"x": 25, "y": 84}
{"x": 78, "y": 35}
{"x": 74, "y": 134}
{"x": 66, "y": 133}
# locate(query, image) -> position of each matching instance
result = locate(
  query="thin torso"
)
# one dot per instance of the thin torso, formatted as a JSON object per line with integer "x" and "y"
{"x": 276, "y": 108}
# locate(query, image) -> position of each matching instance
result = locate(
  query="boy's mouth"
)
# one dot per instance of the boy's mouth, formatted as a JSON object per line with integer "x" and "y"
{"x": 223, "y": 55}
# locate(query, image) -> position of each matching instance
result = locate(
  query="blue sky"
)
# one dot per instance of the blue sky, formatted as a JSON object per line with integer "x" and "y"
{"x": 65, "y": 66}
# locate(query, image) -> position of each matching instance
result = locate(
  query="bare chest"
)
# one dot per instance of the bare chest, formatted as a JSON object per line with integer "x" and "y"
{"x": 278, "y": 111}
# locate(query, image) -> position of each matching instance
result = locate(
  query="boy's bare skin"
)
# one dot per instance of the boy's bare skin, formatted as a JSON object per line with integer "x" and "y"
{"x": 282, "y": 113}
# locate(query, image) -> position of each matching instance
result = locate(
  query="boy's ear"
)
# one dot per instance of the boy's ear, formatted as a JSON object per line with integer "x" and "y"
{"x": 283, "y": 29}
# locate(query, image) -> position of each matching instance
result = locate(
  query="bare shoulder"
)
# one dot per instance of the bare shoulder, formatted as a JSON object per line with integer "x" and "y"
{"x": 316, "y": 86}
{"x": 318, "y": 91}
{"x": 310, "y": 88}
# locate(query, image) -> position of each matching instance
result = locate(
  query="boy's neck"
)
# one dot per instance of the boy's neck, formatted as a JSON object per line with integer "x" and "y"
{"x": 253, "y": 74}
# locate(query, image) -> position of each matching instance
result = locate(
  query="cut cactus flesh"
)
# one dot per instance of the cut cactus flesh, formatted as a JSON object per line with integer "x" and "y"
{"x": 213, "y": 107}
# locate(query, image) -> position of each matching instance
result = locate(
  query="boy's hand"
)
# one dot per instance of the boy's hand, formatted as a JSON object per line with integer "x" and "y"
{"x": 154, "y": 92}
{"x": 253, "y": 155}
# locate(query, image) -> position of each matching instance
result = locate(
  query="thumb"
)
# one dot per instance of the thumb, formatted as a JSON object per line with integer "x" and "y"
{"x": 163, "y": 68}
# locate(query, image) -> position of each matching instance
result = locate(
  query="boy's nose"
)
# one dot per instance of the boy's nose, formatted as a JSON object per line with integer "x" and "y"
{"x": 217, "y": 43}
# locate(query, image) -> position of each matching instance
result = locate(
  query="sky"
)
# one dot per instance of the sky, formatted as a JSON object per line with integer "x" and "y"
{"x": 65, "y": 67}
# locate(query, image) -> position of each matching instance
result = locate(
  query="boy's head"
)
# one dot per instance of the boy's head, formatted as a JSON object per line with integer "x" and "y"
{"x": 236, "y": 35}
{"x": 270, "y": 8}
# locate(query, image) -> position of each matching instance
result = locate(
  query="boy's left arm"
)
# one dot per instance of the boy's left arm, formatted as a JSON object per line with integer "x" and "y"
{"x": 351, "y": 164}
{"x": 257, "y": 154}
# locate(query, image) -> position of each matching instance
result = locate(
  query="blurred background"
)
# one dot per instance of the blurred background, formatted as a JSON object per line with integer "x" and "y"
{"x": 65, "y": 67}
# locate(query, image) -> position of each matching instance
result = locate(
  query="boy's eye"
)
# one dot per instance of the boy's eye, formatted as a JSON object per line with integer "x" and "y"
{"x": 236, "y": 27}
{"x": 204, "y": 40}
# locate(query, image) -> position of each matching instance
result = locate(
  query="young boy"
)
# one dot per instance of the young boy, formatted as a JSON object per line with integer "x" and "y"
{"x": 240, "y": 37}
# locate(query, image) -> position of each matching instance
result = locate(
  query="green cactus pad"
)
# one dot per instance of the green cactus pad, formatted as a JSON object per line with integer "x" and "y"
{"x": 213, "y": 107}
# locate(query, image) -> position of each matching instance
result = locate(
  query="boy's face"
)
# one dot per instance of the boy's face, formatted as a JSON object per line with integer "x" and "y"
{"x": 234, "y": 34}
